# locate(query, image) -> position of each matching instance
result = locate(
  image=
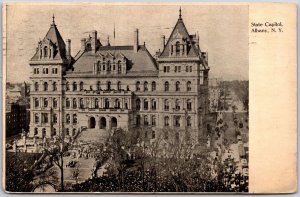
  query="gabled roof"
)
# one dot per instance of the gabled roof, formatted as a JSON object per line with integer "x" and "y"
{"x": 179, "y": 30}
{"x": 137, "y": 62}
{"x": 53, "y": 36}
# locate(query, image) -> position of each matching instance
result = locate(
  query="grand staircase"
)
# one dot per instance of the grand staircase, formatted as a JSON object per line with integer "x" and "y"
{"x": 93, "y": 135}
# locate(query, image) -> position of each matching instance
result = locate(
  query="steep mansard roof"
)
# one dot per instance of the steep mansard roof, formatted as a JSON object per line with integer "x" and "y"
{"x": 137, "y": 62}
{"x": 53, "y": 36}
{"x": 178, "y": 32}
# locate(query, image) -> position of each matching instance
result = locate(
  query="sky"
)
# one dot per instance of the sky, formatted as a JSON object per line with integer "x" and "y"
{"x": 223, "y": 31}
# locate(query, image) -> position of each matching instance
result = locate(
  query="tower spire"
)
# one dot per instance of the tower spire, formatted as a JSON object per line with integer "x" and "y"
{"x": 180, "y": 12}
{"x": 53, "y": 21}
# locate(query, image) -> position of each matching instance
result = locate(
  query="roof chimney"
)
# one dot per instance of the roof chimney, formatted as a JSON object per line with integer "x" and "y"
{"x": 83, "y": 44}
{"x": 136, "y": 41}
{"x": 68, "y": 41}
{"x": 94, "y": 41}
{"x": 163, "y": 38}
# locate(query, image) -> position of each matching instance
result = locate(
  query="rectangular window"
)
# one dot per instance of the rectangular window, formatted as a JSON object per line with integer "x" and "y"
{"x": 165, "y": 69}
{"x": 179, "y": 69}
{"x": 190, "y": 68}
{"x": 187, "y": 68}
{"x": 176, "y": 69}
{"x": 168, "y": 69}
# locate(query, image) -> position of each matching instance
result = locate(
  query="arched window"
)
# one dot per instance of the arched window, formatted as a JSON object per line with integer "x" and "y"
{"x": 153, "y": 104}
{"x": 166, "y": 119}
{"x": 145, "y": 104}
{"x": 146, "y": 122}
{"x": 119, "y": 85}
{"x": 166, "y": 86}
{"x": 67, "y": 131}
{"x": 74, "y": 103}
{"x": 189, "y": 105}
{"x": 96, "y": 103}
{"x": 36, "y": 86}
{"x": 188, "y": 86}
{"x": 177, "y": 48}
{"x": 138, "y": 86}
{"x": 119, "y": 67}
{"x": 138, "y": 104}
{"x": 177, "y": 86}
{"x": 54, "y": 118}
{"x": 98, "y": 85}
{"x": 177, "y": 104}
{"x": 145, "y": 86}
{"x": 103, "y": 65}
{"x": 73, "y": 132}
{"x": 106, "y": 103}
{"x": 74, "y": 118}
{"x": 68, "y": 118}
{"x": 98, "y": 66}
{"x": 153, "y": 86}
{"x": 188, "y": 121}
{"x": 54, "y": 86}
{"x": 67, "y": 86}
{"x": 153, "y": 134}
{"x": 166, "y": 105}
{"x": 45, "y": 51}
{"x": 36, "y": 131}
{"x": 81, "y": 86}
{"x": 36, "y": 118}
{"x": 81, "y": 103}
{"x": 74, "y": 86}
{"x": 54, "y": 132}
{"x": 54, "y": 103}
{"x": 45, "y": 86}
{"x": 117, "y": 103}
{"x": 45, "y": 102}
{"x": 108, "y": 66}
{"x": 68, "y": 104}
{"x": 36, "y": 102}
{"x": 177, "y": 121}
{"x": 108, "y": 85}
{"x": 153, "y": 120}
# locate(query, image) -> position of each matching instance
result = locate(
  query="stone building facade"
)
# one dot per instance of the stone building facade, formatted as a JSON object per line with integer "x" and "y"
{"x": 105, "y": 87}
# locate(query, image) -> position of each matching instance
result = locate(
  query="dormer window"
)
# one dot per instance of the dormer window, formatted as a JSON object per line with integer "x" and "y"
{"x": 177, "y": 48}
{"x": 45, "y": 51}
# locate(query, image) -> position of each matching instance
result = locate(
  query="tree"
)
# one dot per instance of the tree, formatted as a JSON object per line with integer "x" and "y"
{"x": 55, "y": 151}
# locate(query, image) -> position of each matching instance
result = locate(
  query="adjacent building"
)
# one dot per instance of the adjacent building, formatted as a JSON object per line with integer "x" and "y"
{"x": 105, "y": 87}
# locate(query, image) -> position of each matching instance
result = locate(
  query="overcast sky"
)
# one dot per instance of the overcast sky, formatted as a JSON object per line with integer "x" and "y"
{"x": 223, "y": 31}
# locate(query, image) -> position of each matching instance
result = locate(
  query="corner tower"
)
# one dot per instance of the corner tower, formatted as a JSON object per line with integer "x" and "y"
{"x": 184, "y": 68}
{"x": 48, "y": 66}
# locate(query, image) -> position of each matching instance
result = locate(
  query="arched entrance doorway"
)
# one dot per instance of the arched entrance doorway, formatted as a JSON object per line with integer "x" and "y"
{"x": 102, "y": 123}
{"x": 114, "y": 122}
{"x": 92, "y": 123}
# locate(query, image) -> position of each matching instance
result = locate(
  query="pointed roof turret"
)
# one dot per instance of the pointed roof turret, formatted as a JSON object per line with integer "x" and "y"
{"x": 53, "y": 36}
{"x": 181, "y": 34}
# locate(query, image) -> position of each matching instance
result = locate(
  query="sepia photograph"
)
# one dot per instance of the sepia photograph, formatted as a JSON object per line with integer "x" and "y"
{"x": 122, "y": 98}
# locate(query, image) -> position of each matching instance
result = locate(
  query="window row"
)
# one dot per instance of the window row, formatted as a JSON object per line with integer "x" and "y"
{"x": 74, "y": 86}
{"x": 166, "y": 104}
{"x": 177, "y": 121}
{"x": 95, "y": 103}
{"x": 146, "y": 120}
{"x": 146, "y": 104}
{"x": 177, "y": 69}
{"x": 108, "y": 67}
{"x": 74, "y": 119}
{"x": 45, "y": 86}
{"x": 45, "y": 71}
{"x": 166, "y": 86}
{"x": 45, "y": 103}
{"x": 44, "y": 118}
